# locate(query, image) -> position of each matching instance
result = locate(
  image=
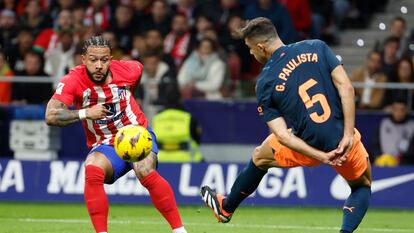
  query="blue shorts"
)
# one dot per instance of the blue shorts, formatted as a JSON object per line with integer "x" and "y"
{"x": 120, "y": 166}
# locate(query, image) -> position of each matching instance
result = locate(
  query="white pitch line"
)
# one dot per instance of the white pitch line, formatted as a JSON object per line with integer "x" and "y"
{"x": 258, "y": 226}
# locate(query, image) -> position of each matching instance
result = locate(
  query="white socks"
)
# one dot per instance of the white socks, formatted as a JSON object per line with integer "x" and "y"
{"x": 179, "y": 230}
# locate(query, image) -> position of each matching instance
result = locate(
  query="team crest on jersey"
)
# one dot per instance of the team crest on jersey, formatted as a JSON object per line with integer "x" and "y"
{"x": 111, "y": 116}
{"x": 122, "y": 92}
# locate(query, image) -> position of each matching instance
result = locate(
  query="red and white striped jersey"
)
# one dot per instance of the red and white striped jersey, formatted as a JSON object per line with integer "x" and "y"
{"x": 76, "y": 88}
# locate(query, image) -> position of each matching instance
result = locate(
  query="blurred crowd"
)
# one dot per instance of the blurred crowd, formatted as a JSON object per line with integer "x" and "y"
{"x": 188, "y": 42}
{"x": 390, "y": 61}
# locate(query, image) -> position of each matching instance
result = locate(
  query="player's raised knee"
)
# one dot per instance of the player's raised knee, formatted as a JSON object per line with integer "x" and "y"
{"x": 258, "y": 158}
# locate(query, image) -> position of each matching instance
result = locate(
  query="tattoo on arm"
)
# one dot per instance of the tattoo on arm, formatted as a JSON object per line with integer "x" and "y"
{"x": 58, "y": 114}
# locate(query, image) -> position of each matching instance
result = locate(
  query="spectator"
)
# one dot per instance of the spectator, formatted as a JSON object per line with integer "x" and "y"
{"x": 8, "y": 29}
{"x": 396, "y": 131}
{"x": 398, "y": 28}
{"x": 390, "y": 59}
{"x": 203, "y": 73}
{"x": 31, "y": 93}
{"x": 117, "y": 52}
{"x": 5, "y": 87}
{"x": 156, "y": 76}
{"x": 15, "y": 54}
{"x": 98, "y": 15}
{"x": 154, "y": 42}
{"x": 369, "y": 97}
{"x": 79, "y": 13}
{"x": 49, "y": 38}
{"x": 227, "y": 86}
{"x": 178, "y": 133}
{"x": 142, "y": 10}
{"x": 138, "y": 46}
{"x": 59, "y": 60}
{"x": 327, "y": 18}
{"x": 405, "y": 74}
{"x": 202, "y": 24}
{"x": 228, "y": 8}
{"x": 222, "y": 12}
{"x": 9, "y": 5}
{"x": 279, "y": 16}
{"x": 160, "y": 18}
{"x": 34, "y": 19}
{"x": 123, "y": 27}
{"x": 177, "y": 42}
{"x": 239, "y": 53}
{"x": 58, "y": 5}
{"x": 22, "y": 4}
{"x": 189, "y": 8}
{"x": 300, "y": 12}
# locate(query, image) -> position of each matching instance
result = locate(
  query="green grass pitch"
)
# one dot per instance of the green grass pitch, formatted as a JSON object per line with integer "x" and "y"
{"x": 70, "y": 218}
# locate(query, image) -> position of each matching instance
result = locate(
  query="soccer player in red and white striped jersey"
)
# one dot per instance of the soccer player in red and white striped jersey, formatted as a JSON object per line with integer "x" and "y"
{"x": 101, "y": 90}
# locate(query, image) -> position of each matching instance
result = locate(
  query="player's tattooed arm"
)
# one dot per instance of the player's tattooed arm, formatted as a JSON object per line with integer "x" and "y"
{"x": 58, "y": 114}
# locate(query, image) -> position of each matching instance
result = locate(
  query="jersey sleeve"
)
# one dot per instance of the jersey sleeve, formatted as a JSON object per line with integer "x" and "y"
{"x": 267, "y": 109}
{"x": 135, "y": 68}
{"x": 66, "y": 90}
{"x": 330, "y": 58}
{"x": 136, "y": 72}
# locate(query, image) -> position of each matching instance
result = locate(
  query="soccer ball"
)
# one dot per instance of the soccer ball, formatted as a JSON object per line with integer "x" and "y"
{"x": 133, "y": 143}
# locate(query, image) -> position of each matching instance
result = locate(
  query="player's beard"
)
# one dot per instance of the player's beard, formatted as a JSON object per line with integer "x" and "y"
{"x": 90, "y": 76}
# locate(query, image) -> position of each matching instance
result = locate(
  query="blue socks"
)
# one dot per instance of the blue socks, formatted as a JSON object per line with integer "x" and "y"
{"x": 355, "y": 208}
{"x": 245, "y": 184}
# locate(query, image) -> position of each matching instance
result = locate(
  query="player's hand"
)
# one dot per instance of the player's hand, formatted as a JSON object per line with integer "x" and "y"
{"x": 345, "y": 145}
{"x": 96, "y": 112}
{"x": 329, "y": 157}
{"x": 342, "y": 151}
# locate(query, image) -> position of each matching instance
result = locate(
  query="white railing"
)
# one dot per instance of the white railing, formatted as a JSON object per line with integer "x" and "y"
{"x": 27, "y": 79}
{"x": 47, "y": 79}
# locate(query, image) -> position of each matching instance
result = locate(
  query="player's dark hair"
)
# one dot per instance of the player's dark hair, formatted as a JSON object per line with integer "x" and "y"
{"x": 260, "y": 29}
{"x": 96, "y": 41}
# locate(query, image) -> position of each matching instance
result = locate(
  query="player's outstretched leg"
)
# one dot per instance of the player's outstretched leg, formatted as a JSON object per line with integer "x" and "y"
{"x": 161, "y": 193}
{"x": 245, "y": 184}
{"x": 215, "y": 202}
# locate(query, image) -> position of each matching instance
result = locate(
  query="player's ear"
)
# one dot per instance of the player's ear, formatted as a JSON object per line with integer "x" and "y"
{"x": 83, "y": 58}
{"x": 261, "y": 46}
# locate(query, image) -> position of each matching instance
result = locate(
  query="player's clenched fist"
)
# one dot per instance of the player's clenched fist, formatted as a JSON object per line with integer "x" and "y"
{"x": 96, "y": 112}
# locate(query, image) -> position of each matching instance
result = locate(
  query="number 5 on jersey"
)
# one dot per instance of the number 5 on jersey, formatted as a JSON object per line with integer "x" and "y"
{"x": 311, "y": 101}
